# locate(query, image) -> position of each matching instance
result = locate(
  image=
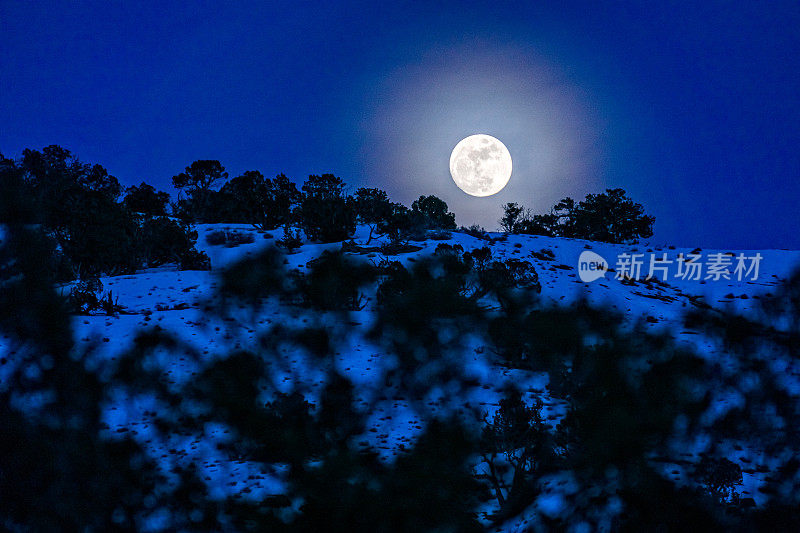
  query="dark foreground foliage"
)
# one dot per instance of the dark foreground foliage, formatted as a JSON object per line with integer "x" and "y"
{"x": 632, "y": 400}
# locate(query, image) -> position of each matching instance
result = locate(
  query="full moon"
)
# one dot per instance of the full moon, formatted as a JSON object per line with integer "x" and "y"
{"x": 480, "y": 165}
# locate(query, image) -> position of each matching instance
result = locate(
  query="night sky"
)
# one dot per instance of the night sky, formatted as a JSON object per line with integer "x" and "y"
{"x": 695, "y": 111}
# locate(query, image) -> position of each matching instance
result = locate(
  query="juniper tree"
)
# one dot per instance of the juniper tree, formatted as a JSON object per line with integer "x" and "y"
{"x": 326, "y": 213}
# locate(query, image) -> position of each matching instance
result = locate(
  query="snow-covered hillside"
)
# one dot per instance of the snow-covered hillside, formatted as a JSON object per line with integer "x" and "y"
{"x": 177, "y": 302}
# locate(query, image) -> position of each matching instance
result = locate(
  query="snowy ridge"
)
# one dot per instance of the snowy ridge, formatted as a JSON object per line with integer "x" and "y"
{"x": 175, "y": 301}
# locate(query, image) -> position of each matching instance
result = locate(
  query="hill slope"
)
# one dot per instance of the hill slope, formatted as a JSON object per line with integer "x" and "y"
{"x": 177, "y": 301}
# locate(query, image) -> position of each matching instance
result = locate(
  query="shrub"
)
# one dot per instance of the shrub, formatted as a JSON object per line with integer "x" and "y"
{"x": 545, "y": 225}
{"x": 335, "y": 281}
{"x": 545, "y": 254}
{"x": 514, "y": 444}
{"x": 611, "y": 217}
{"x": 162, "y": 240}
{"x": 17, "y": 203}
{"x": 78, "y": 206}
{"x": 403, "y": 225}
{"x": 513, "y": 214}
{"x": 87, "y": 296}
{"x": 475, "y": 231}
{"x": 501, "y": 276}
{"x": 193, "y": 259}
{"x": 229, "y": 238}
{"x": 110, "y": 305}
{"x": 201, "y": 206}
{"x": 291, "y": 240}
{"x": 216, "y": 238}
{"x": 719, "y": 476}
{"x": 83, "y": 297}
{"x": 438, "y": 284}
{"x": 439, "y": 235}
{"x": 257, "y": 277}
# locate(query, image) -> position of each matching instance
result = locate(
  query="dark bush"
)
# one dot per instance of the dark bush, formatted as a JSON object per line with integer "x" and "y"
{"x": 95, "y": 233}
{"x": 610, "y": 217}
{"x": 229, "y": 238}
{"x": 256, "y": 278}
{"x": 17, "y": 203}
{"x": 162, "y": 240}
{"x": 201, "y": 207}
{"x": 516, "y": 446}
{"x": 83, "y": 297}
{"x": 77, "y": 203}
{"x": 719, "y": 476}
{"x": 475, "y": 231}
{"x": 291, "y": 239}
{"x": 335, "y": 281}
{"x": 513, "y": 214}
{"x": 439, "y": 235}
{"x": 54, "y": 172}
{"x": 403, "y": 225}
{"x": 193, "y": 259}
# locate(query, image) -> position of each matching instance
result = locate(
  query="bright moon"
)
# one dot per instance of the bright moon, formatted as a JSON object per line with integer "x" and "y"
{"x": 480, "y": 165}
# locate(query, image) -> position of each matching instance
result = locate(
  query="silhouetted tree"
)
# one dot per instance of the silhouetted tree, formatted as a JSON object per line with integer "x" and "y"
{"x": 161, "y": 240}
{"x": 55, "y": 169}
{"x": 545, "y": 225}
{"x": 95, "y": 233}
{"x": 372, "y": 208}
{"x": 203, "y": 174}
{"x": 434, "y": 211}
{"x": 513, "y": 214}
{"x": 516, "y": 445}
{"x": 146, "y": 200}
{"x": 402, "y": 224}
{"x": 56, "y": 177}
{"x": 263, "y": 202}
{"x": 326, "y": 213}
{"x": 202, "y": 202}
{"x": 17, "y": 203}
{"x": 608, "y": 217}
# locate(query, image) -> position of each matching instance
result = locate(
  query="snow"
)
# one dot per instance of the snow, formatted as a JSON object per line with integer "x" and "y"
{"x": 175, "y": 300}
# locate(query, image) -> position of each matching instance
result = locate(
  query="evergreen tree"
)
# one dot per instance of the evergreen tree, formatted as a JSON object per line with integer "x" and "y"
{"x": 263, "y": 202}
{"x": 198, "y": 182}
{"x": 146, "y": 200}
{"x": 608, "y": 217}
{"x": 434, "y": 212}
{"x": 326, "y": 213}
{"x": 372, "y": 208}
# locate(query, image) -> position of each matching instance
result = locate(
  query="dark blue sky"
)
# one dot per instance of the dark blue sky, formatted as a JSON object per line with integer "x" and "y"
{"x": 694, "y": 110}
